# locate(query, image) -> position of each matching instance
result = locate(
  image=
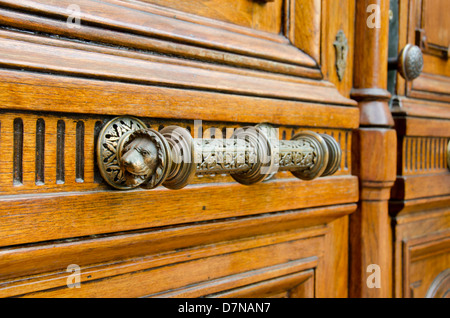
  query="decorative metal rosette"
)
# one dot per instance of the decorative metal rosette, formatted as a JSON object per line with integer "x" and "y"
{"x": 108, "y": 157}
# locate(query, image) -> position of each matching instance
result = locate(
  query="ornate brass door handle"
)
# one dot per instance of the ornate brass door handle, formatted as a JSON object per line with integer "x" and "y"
{"x": 130, "y": 155}
{"x": 409, "y": 62}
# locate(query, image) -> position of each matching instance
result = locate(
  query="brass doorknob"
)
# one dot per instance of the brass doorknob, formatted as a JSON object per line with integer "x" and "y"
{"x": 129, "y": 154}
{"x": 409, "y": 62}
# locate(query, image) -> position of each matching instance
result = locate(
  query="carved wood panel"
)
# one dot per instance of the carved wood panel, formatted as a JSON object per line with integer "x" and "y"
{"x": 289, "y": 271}
{"x": 424, "y": 155}
{"x": 422, "y": 169}
{"x": 424, "y": 260}
{"x": 52, "y": 153}
{"x": 170, "y": 64}
{"x": 202, "y": 38}
{"x": 298, "y": 285}
{"x": 258, "y": 15}
{"x": 421, "y": 245}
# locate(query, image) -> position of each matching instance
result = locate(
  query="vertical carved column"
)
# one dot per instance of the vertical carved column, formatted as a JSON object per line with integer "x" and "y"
{"x": 374, "y": 152}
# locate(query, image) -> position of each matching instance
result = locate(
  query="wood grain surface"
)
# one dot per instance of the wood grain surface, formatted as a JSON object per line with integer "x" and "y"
{"x": 229, "y": 64}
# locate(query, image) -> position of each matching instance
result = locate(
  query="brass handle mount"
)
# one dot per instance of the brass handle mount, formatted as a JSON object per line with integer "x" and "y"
{"x": 129, "y": 155}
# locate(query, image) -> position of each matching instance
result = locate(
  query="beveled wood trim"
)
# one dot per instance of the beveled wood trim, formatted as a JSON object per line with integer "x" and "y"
{"x": 420, "y": 108}
{"x": 124, "y": 211}
{"x": 290, "y": 274}
{"x": 429, "y": 246}
{"x": 284, "y": 285}
{"x": 420, "y": 186}
{"x": 147, "y": 6}
{"x": 429, "y": 207}
{"x": 57, "y": 276}
{"x": 140, "y": 18}
{"x": 424, "y": 127}
{"x": 40, "y": 92}
{"x": 300, "y": 14}
{"x": 418, "y": 249}
{"x": 144, "y": 45}
{"x": 405, "y": 252}
{"x": 66, "y": 61}
{"x": 21, "y": 52}
{"x": 433, "y": 83}
{"x": 154, "y": 280}
{"x": 430, "y": 86}
{"x": 134, "y": 244}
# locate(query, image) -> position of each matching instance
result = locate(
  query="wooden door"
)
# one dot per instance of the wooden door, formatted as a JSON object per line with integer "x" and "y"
{"x": 69, "y": 67}
{"x": 419, "y": 203}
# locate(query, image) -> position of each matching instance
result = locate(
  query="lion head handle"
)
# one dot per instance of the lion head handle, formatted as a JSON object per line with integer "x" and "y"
{"x": 143, "y": 158}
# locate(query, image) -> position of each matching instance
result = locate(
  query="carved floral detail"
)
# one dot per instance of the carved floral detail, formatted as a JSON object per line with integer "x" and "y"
{"x": 223, "y": 155}
{"x": 297, "y": 155}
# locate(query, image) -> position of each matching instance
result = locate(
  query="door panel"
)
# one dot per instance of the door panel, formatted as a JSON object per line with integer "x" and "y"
{"x": 227, "y": 64}
{"x": 248, "y": 13}
{"x": 420, "y": 197}
{"x": 425, "y": 23}
{"x": 425, "y": 265}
